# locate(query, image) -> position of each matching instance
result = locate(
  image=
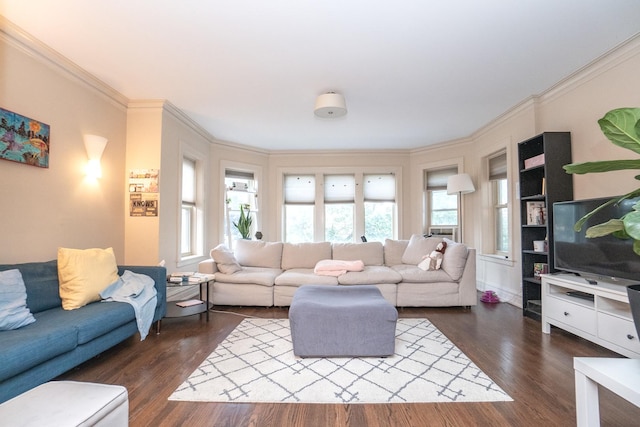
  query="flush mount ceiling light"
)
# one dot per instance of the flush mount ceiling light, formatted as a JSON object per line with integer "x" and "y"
{"x": 330, "y": 105}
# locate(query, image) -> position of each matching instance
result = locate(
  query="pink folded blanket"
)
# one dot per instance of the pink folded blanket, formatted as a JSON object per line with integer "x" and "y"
{"x": 336, "y": 267}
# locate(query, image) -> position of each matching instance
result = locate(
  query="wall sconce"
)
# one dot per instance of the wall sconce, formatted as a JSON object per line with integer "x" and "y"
{"x": 94, "y": 145}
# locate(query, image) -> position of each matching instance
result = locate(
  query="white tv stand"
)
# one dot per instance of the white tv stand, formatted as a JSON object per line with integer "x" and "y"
{"x": 604, "y": 318}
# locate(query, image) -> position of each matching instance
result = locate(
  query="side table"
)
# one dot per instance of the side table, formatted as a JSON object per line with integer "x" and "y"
{"x": 174, "y": 310}
{"x": 621, "y": 376}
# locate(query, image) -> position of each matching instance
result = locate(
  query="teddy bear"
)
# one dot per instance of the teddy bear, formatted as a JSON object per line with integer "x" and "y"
{"x": 433, "y": 261}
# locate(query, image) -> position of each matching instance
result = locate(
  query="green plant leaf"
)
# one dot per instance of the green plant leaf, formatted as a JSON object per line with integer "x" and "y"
{"x": 609, "y": 227}
{"x": 603, "y": 166}
{"x": 632, "y": 224}
{"x": 620, "y": 126}
{"x": 636, "y": 247}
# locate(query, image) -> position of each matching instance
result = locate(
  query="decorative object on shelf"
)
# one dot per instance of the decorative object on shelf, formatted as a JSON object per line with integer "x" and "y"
{"x": 540, "y": 246}
{"x": 259, "y": 235}
{"x": 330, "y": 105}
{"x": 23, "y": 140}
{"x": 244, "y": 222}
{"x": 534, "y": 161}
{"x": 540, "y": 268}
{"x": 536, "y": 213}
{"x": 460, "y": 184}
{"x": 490, "y": 297}
{"x": 622, "y": 127}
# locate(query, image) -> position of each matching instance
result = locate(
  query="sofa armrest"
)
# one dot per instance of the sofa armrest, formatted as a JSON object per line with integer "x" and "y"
{"x": 208, "y": 266}
{"x": 467, "y": 292}
{"x": 159, "y": 276}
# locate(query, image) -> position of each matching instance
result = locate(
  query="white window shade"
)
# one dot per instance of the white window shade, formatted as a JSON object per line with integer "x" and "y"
{"x": 498, "y": 167}
{"x": 299, "y": 189}
{"x": 339, "y": 189}
{"x": 437, "y": 179}
{"x": 188, "y": 181}
{"x": 379, "y": 188}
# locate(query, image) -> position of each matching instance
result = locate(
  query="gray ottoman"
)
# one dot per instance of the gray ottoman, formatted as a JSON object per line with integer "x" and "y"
{"x": 68, "y": 403}
{"x": 342, "y": 321}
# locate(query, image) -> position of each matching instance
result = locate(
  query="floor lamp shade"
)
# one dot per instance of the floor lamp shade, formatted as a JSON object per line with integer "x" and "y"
{"x": 460, "y": 184}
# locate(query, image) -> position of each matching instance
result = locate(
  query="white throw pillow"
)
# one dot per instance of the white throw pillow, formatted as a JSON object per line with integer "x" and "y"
{"x": 455, "y": 259}
{"x": 225, "y": 261}
{"x": 256, "y": 253}
{"x": 418, "y": 248}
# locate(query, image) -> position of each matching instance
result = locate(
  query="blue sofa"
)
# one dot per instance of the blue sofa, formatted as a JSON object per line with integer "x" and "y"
{"x": 61, "y": 339}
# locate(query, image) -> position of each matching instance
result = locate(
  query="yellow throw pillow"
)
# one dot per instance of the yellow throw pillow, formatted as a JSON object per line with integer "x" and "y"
{"x": 83, "y": 274}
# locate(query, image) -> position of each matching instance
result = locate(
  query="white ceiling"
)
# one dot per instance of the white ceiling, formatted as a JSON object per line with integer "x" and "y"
{"x": 413, "y": 72}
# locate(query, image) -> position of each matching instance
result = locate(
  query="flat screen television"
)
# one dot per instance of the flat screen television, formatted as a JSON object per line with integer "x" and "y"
{"x": 602, "y": 258}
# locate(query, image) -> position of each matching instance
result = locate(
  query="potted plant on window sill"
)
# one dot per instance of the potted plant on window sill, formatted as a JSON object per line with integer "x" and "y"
{"x": 244, "y": 222}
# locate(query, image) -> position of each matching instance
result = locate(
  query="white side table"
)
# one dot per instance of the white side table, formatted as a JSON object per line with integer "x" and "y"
{"x": 621, "y": 376}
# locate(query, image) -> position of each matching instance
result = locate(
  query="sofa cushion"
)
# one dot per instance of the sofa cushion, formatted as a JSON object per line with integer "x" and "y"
{"x": 256, "y": 253}
{"x": 14, "y": 313}
{"x": 413, "y": 274}
{"x": 41, "y": 281}
{"x": 371, "y": 253}
{"x": 304, "y": 276}
{"x": 455, "y": 259}
{"x": 251, "y": 275}
{"x": 393, "y": 251}
{"x": 92, "y": 320}
{"x": 418, "y": 248}
{"x": 304, "y": 255}
{"x": 83, "y": 273}
{"x": 33, "y": 344}
{"x": 371, "y": 275}
{"x": 225, "y": 261}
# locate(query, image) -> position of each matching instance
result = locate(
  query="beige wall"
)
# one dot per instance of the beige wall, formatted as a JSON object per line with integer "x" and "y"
{"x": 573, "y": 105}
{"x": 42, "y": 209}
{"x": 45, "y": 208}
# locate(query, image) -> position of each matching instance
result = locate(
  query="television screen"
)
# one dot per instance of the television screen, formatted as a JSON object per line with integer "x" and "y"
{"x": 605, "y": 257}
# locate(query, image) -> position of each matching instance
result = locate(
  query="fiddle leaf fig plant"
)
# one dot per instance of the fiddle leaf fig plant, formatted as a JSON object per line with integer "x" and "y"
{"x": 244, "y": 222}
{"x": 622, "y": 127}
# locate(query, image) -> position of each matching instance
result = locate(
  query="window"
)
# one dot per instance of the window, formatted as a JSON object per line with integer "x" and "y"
{"x": 442, "y": 208}
{"x": 339, "y": 203}
{"x": 188, "y": 220}
{"x": 241, "y": 189}
{"x": 339, "y": 207}
{"x": 299, "y": 208}
{"x": 500, "y": 199}
{"x": 379, "y": 206}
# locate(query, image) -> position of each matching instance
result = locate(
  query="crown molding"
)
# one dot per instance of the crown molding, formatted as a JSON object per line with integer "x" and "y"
{"x": 602, "y": 64}
{"x": 25, "y": 42}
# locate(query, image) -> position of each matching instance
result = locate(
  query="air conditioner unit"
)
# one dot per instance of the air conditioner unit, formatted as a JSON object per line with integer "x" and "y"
{"x": 448, "y": 232}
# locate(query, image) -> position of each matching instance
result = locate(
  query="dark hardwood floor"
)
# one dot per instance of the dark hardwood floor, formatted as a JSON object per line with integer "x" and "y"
{"x": 535, "y": 369}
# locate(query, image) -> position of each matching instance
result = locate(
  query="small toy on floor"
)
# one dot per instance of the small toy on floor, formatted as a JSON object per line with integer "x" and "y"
{"x": 490, "y": 297}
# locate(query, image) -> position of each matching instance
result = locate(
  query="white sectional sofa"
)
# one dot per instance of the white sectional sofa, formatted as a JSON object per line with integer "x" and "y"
{"x": 267, "y": 274}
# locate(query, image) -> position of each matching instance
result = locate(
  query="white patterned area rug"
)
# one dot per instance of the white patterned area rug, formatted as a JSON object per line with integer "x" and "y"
{"x": 255, "y": 363}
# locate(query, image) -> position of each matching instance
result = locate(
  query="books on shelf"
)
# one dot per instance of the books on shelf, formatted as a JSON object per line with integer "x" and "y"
{"x": 536, "y": 213}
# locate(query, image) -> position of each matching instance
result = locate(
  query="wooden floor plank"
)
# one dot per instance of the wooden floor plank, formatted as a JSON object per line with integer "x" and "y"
{"x": 535, "y": 369}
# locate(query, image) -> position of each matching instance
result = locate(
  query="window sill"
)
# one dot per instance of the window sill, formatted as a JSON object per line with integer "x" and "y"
{"x": 190, "y": 260}
{"x": 497, "y": 259}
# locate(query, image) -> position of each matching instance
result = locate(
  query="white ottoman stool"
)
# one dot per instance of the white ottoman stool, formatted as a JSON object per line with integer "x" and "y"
{"x": 68, "y": 403}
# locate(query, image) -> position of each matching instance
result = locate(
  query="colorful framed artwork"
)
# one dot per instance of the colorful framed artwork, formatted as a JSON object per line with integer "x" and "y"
{"x": 23, "y": 140}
